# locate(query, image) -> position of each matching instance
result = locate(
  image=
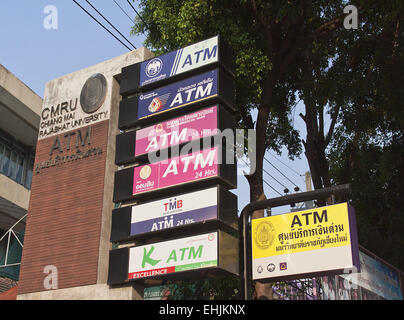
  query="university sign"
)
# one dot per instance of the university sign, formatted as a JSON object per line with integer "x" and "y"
{"x": 318, "y": 241}
{"x": 75, "y": 145}
{"x": 74, "y": 113}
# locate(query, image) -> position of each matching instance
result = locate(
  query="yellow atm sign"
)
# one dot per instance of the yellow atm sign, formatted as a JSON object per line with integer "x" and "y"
{"x": 318, "y": 240}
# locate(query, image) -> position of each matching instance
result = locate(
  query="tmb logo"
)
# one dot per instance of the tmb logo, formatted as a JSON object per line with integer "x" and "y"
{"x": 172, "y": 204}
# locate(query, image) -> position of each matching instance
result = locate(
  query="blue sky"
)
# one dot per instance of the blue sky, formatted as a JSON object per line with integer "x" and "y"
{"x": 36, "y": 55}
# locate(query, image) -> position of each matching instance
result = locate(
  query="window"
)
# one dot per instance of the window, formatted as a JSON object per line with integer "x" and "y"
{"x": 5, "y": 164}
{"x": 30, "y": 169}
{"x": 16, "y": 161}
{"x": 1, "y": 155}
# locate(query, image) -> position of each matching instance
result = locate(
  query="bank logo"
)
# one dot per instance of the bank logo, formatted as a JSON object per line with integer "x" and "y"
{"x": 172, "y": 204}
{"x": 158, "y": 102}
{"x": 283, "y": 266}
{"x": 271, "y": 267}
{"x": 155, "y": 105}
{"x": 264, "y": 235}
{"x": 145, "y": 172}
{"x": 154, "y": 67}
{"x": 159, "y": 127}
{"x": 93, "y": 94}
{"x": 147, "y": 259}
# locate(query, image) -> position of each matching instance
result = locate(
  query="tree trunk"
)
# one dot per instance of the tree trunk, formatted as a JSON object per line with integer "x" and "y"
{"x": 263, "y": 291}
{"x": 255, "y": 180}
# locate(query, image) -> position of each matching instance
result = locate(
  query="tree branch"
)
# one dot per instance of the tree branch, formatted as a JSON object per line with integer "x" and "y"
{"x": 321, "y": 122}
{"x": 326, "y": 28}
{"x": 266, "y": 26}
{"x": 291, "y": 37}
{"x": 247, "y": 119}
{"x": 332, "y": 126}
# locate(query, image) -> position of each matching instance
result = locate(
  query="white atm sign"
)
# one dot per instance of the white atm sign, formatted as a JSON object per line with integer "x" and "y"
{"x": 173, "y": 256}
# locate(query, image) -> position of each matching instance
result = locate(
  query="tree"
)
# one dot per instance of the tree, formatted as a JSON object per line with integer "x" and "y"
{"x": 286, "y": 50}
{"x": 267, "y": 37}
{"x": 366, "y": 148}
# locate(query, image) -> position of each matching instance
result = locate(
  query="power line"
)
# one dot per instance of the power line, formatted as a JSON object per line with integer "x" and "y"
{"x": 95, "y": 19}
{"x": 131, "y": 20}
{"x": 282, "y": 174}
{"x": 272, "y": 187}
{"x": 286, "y": 188}
{"x": 300, "y": 175}
{"x": 138, "y": 15}
{"x": 110, "y": 24}
{"x": 264, "y": 180}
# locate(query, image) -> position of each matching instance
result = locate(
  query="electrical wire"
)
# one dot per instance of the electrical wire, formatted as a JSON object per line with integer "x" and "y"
{"x": 131, "y": 20}
{"x": 282, "y": 174}
{"x": 110, "y": 24}
{"x": 265, "y": 181}
{"x": 300, "y": 175}
{"x": 138, "y": 15}
{"x": 286, "y": 188}
{"x": 272, "y": 187}
{"x": 95, "y": 19}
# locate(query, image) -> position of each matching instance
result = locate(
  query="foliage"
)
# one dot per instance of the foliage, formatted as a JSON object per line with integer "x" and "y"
{"x": 206, "y": 289}
{"x": 367, "y": 146}
{"x": 172, "y": 24}
{"x": 352, "y": 80}
{"x": 377, "y": 195}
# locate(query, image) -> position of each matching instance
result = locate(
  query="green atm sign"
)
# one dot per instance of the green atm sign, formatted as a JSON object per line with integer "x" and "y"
{"x": 173, "y": 256}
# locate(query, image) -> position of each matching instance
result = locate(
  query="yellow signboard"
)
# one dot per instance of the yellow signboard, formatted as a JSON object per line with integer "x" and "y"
{"x": 317, "y": 228}
{"x": 287, "y": 243}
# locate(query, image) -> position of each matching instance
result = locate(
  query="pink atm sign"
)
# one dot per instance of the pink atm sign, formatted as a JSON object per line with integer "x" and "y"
{"x": 182, "y": 170}
{"x": 186, "y": 128}
{"x": 176, "y": 171}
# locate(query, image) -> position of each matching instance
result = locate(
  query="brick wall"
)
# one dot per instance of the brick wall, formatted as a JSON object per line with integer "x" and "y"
{"x": 64, "y": 216}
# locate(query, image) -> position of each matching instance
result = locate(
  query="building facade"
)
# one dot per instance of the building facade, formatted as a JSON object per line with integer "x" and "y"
{"x": 20, "y": 111}
{"x": 67, "y": 238}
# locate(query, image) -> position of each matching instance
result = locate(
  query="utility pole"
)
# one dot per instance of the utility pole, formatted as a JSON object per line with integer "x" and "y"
{"x": 308, "y": 181}
{"x": 308, "y": 204}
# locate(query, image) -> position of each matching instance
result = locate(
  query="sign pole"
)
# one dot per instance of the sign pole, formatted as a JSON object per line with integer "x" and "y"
{"x": 245, "y": 240}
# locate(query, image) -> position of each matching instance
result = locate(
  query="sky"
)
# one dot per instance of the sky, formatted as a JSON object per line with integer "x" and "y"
{"x": 37, "y": 54}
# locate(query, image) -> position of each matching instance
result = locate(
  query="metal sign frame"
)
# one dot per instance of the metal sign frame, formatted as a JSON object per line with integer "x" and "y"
{"x": 244, "y": 234}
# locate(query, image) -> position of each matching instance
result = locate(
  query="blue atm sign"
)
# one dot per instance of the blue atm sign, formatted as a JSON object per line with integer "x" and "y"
{"x": 176, "y": 62}
{"x": 178, "y": 94}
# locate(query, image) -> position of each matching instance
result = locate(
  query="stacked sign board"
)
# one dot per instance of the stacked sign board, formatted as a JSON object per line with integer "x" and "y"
{"x": 174, "y": 189}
